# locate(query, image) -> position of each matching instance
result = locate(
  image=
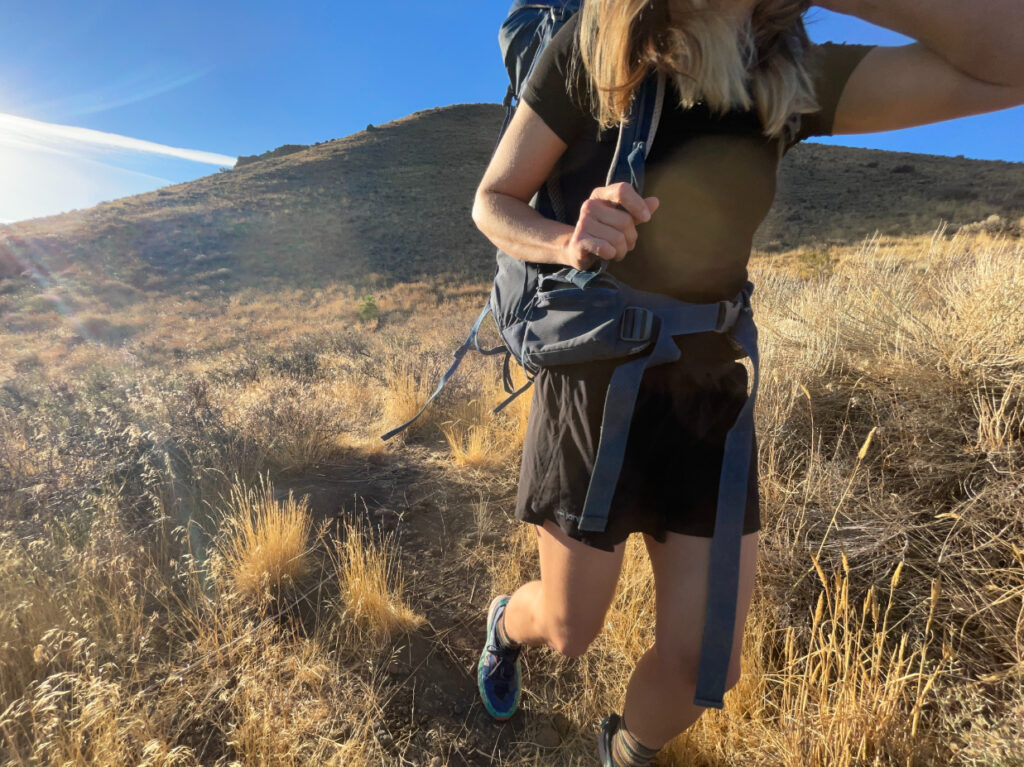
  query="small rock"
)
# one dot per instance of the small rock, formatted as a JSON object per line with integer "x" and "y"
{"x": 384, "y": 738}
{"x": 435, "y": 762}
{"x": 547, "y": 736}
{"x": 397, "y": 668}
{"x": 458, "y": 709}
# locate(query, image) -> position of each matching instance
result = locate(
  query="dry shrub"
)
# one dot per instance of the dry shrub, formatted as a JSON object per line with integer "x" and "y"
{"x": 855, "y": 682}
{"x": 999, "y": 410}
{"x": 265, "y": 542}
{"x": 103, "y": 662}
{"x": 372, "y": 606}
{"x": 86, "y": 714}
{"x": 919, "y": 343}
{"x": 17, "y": 462}
{"x": 293, "y": 425}
{"x": 265, "y": 694}
{"x": 76, "y": 632}
{"x": 848, "y": 689}
{"x": 922, "y": 348}
{"x": 995, "y": 741}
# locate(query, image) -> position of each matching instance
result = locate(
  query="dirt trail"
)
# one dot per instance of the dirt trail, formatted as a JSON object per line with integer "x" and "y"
{"x": 432, "y": 707}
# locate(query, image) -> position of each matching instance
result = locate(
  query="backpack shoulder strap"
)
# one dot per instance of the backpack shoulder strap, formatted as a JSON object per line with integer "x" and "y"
{"x": 636, "y": 133}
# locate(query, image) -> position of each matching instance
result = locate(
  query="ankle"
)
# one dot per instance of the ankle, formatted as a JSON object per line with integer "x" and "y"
{"x": 502, "y": 634}
{"x": 627, "y": 751}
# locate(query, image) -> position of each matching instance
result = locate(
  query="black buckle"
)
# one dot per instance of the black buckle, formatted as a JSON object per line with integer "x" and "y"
{"x": 637, "y": 323}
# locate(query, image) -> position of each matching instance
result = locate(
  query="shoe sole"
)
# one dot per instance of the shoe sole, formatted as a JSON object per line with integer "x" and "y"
{"x": 480, "y": 665}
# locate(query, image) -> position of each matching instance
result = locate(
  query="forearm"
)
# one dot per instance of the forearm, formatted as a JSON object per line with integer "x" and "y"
{"x": 982, "y": 38}
{"x": 520, "y": 230}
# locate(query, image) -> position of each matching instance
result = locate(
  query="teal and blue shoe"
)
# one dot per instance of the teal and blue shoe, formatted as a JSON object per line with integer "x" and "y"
{"x": 498, "y": 674}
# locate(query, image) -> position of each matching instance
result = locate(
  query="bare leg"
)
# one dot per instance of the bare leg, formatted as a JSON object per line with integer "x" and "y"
{"x": 659, "y": 698}
{"x": 565, "y": 609}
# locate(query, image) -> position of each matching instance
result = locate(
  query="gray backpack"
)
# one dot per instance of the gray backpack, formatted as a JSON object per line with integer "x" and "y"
{"x": 548, "y": 315}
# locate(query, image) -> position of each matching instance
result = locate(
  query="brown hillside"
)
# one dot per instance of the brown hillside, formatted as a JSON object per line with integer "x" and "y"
{"x": 395, "y": 200}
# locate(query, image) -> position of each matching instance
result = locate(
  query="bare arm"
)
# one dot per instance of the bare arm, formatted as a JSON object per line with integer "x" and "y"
{"x": 982, "y": 38}
{"x": 522, "y": 161}
{"x": 969, "y": 59}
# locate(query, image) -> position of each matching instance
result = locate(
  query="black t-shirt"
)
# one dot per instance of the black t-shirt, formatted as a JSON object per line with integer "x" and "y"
{"x": 714, "y": 175}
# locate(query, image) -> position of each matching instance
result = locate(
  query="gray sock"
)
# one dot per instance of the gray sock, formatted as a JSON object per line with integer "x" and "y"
{"x": 502, "y": 636}
{"x": 627, "y": 751}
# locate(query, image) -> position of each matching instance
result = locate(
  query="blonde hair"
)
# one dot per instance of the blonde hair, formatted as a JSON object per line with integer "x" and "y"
{"x": 758, "y": 64}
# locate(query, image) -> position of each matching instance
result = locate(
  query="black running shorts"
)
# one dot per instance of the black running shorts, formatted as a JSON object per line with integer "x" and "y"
{"x": 670, "y": 473}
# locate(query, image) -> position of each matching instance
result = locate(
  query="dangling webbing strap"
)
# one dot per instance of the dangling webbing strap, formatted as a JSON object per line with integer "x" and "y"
{"x": 723, "y": 569}
{"x": 459, "y": 353}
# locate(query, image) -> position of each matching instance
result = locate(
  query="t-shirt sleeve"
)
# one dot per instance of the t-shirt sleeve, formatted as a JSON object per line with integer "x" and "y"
{"x": 831, "y": 65}
{"x": 563, "y": 106}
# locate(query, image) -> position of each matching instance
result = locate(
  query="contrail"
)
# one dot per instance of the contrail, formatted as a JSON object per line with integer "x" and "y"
{"x": 20, "y": 131}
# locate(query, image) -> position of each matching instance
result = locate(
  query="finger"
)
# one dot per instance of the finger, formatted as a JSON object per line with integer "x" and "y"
{"x": 619, "y": 220}
{"x": 593, "y": 246}
{"x": 608, "y": 234}
{"x": 608, "y": 213}
{"x": 625, "y": 195}
{"x": 653, "y": 203}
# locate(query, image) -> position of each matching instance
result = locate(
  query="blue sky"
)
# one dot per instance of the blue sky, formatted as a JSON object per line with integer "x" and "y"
{"x": 230, "y": 78}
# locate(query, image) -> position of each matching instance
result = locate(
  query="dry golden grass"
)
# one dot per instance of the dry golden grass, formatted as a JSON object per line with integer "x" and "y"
{"x": 372, "y": 606}
{"x": 265, "y": 542}
{"x": 470, "y": 445}
{"x": 890, "y": 425}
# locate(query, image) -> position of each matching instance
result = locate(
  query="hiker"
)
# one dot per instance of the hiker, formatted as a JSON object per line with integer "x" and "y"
{"x": 744, "y": 85}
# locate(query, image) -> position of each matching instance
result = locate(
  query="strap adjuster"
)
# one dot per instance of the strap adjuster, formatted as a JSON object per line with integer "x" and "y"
{"x": 636, "y": 324}
{"x": 728, "y": 314}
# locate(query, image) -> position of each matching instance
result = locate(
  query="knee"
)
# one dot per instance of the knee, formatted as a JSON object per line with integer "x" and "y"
{"x": 570, "y": 641}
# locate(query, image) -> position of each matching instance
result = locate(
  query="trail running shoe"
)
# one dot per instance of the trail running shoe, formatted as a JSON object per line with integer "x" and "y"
{"x": 498, "y": 674}
{"x": 604, "y": 739}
